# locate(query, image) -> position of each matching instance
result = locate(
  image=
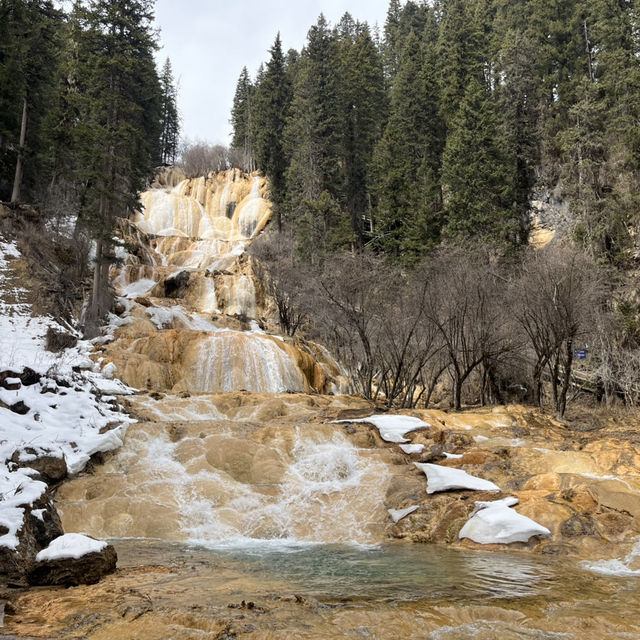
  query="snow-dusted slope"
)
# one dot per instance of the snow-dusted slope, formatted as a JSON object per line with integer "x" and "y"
{"x": 51, "y": 404}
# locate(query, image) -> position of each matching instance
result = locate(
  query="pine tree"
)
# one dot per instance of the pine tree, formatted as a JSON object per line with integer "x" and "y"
{"x": 170, "y": 120}
{"x": 272, "y": 100}
{"x": 116, "y": 138}
{"x": 456, "y": 57}
{"x": 518, "y": 105}
{"x": 313, "y": 137}
{"x": 478, "y": 194}
{"x": 407, "y": 159}
{"x": 363, "y": 105}
{"x": 241, "y": 120}
{"x": 391, "y": 48}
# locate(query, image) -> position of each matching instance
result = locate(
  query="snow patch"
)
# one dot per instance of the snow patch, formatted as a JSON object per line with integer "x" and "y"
{"x": 138, "y": 288}
{"x": 398, "y": 514}
{"x": 441, "y": 478}
{"x": 392, "y": 428}
{"x": 496, "y": 523}
{"x": 64, "y": 409}
{"x": 412, "y": 448}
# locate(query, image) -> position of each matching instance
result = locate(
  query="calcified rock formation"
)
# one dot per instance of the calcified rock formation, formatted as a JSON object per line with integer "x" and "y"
{"x": 194, "y": 314}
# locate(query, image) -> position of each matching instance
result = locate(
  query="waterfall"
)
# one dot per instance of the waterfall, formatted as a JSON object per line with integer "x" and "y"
{"x": 194, "y": 300}
{"x": 230, "y": 484}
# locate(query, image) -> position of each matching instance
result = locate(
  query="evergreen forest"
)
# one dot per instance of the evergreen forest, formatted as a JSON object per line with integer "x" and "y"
{"x": 444, "y": 127}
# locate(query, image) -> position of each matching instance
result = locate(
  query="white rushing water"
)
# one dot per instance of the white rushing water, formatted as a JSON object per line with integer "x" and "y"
{"x": 223, "y": 489}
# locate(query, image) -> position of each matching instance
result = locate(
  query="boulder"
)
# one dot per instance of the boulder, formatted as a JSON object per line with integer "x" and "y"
{"x": 58, "y": 340}
{"x": 43, "y": 522}
{"x": 29, "y": 377}
{"x": 51, "y": 469}
{"x": 40, "y": 526}
{"x": 71, "y": 560}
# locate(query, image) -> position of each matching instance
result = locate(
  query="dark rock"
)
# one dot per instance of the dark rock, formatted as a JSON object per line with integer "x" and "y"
{"x": 578, "y": 525}
{"x": 433, "y": 454}
{"x": 88, "y": 569}
{"x": 58, "y": 340}
{"x": 176, "y": 286}
{"x": 119, "y": 308}
{"x": 35, "y": 534}
{"x": 20, "y": 408}
{"x": 14, "y": 564}
{"x": 29, "y": 377}
{"x": 8, "y": 375}
{"x": 46, "y": 526}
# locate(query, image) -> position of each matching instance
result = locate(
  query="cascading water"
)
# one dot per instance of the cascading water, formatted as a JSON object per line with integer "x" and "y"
{"x": 230, "y": 483}
{"x": 239, "y": 499}
{"x": 198, "y": 473}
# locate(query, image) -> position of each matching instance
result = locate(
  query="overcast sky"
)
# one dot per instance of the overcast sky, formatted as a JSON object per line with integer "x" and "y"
{"x": 209, "y": 41}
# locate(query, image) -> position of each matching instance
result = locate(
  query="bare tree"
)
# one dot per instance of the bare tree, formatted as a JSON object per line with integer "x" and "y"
{"x": 200, "y": 158}
{"x": 553, "y": 299}
{"x": 465, "y": 312}
{"x": 355, "y": 288}
{"x": 285, "y": 278}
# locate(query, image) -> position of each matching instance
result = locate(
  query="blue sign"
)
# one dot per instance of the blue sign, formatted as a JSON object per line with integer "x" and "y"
{"x": 580, "y": 354}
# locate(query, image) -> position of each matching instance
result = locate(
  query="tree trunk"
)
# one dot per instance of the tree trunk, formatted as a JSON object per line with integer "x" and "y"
{"x": 457, "y": 392}
{"x": 537, "y": 391}
{"x": 561, "y": 406}
{"x": 17, "y": 181}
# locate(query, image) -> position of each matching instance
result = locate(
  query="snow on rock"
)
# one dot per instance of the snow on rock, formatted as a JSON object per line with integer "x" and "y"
{"x": 71, "y": 545}
{"x": 392, "y": 428}
{"x": 452, "y": 456}
{"x": 412, "y": 448}
{"x": 138, "y": 288}
{"x": 17, "y": 489}
{"x": 441, "y": 478}
{"x": 496, "y": 523}
{"x": 398, "y": 514}
{"x": 511, "y": 501}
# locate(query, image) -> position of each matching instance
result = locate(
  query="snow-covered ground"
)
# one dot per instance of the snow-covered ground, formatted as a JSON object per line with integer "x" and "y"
{"x": 64, "y": 409}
